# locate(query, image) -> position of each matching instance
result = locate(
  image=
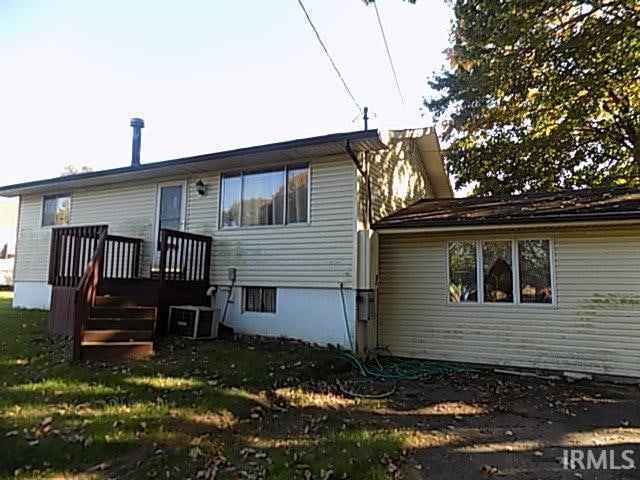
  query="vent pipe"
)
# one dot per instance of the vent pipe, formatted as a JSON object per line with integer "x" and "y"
{"x": 138, "y": 125}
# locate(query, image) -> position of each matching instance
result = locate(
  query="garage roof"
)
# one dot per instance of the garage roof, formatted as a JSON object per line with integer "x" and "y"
{"x": 566, "y": 206}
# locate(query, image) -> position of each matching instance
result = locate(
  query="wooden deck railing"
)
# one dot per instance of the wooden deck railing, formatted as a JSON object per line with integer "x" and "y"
{"x": 121, "y": 257}
{"x": 86, "y": 292}
{"x": 71, "y": 250}
{"x": 80, "y": 257}
{"x": 73, "y": 247}
{"x": 184, "y": 257}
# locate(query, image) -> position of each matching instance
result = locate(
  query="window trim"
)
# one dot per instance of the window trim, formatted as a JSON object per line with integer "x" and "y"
{"x": 517, "y": 302}
{"x": 241, "y": 173}
{"x": 55, "y": 195}
{"x": 244, "y": 301}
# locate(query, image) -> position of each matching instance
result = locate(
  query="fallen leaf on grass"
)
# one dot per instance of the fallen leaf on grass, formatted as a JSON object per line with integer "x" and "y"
{"x": 327, "y": 475}
{"x": 100, "y": 467}
{"x": 195, "y": 452}
{"x": 489, "y": 469}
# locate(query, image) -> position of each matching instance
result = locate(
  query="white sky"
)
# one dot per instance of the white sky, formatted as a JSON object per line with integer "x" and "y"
{"x": 204, "y": 75}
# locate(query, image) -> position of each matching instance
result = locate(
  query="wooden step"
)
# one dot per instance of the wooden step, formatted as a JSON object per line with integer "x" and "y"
{"x": 115, "y": 350}
{"x": 120, "y": 324}
{"x": 142, "y": 313}
{"x": 139, "y": 287}
{"x": 117, "y": 335}
{"x": 123, "y": 301}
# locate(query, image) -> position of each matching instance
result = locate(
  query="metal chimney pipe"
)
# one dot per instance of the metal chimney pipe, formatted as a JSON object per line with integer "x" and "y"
{"x": 138, "y": 125}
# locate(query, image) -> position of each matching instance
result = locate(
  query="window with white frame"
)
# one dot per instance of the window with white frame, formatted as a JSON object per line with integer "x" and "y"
{"x": 267, "y": 197}
{"x": 260, "y": 299}
{"x": 500, "y": 271}
{"x": 56, "y": 210}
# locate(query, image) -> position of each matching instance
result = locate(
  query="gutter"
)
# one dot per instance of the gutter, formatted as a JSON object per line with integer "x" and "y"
{"x": 365, "y": 176}
{"x": 157, "y": 167}
{"x": 506, "y": 226}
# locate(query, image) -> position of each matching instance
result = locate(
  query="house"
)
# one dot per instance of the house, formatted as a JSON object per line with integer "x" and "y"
{"x": 350, "y": 236}
{"x": 281, "y": 231}
{"x": 549, "y": 280}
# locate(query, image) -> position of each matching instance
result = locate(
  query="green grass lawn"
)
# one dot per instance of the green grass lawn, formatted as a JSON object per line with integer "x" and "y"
{"x": 247, "y": 408}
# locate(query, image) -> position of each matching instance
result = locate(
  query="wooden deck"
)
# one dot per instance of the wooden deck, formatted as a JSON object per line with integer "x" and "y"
{"x": 100, "y": 299}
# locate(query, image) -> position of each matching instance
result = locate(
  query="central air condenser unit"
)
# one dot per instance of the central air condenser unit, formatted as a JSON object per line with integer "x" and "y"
{"x": 193, "y": 322}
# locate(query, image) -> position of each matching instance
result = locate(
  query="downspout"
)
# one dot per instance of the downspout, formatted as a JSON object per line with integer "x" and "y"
{"x": 365, "y": 176}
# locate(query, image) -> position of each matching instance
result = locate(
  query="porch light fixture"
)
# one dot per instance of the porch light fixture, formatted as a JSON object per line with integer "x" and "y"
{"x": 201, "y": 188}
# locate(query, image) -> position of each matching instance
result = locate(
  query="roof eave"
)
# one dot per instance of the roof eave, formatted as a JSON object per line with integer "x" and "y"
{"x": 359, "y": 140}
{"x": 431, "y": 153}
{"x": 626, "y": 218}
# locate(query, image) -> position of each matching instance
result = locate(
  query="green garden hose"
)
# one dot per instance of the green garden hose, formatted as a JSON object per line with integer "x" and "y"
{"x": 389, "y": 368}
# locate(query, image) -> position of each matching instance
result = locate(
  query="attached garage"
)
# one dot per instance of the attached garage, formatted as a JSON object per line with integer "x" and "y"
{"x": 539, "y": 281}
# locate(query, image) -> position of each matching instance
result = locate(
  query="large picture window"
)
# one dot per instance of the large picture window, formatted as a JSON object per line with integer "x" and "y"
{"x": 260, "y": 198}
{"x": 56, "y": 210}
{"x": 500, "y": 271}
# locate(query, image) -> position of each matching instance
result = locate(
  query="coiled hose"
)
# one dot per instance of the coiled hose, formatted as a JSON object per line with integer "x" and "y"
{"x": 389, "y": 368}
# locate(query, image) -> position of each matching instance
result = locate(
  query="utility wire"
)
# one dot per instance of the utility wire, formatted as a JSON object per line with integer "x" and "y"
{"x": 386, "y": 45}
{"x": 333, "y": 64}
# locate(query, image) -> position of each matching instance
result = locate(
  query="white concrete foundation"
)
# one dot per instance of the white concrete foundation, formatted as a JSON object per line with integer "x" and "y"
{"x": 310, "y": 314}
{"x": 32, "y": 295}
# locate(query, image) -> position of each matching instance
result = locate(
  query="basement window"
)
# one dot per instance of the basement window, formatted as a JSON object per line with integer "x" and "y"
{"x": 514, "y": 272}
{"x": 267, "y": 197}
{"x": 260, "y": 299}
{"x": 56, "y": 210}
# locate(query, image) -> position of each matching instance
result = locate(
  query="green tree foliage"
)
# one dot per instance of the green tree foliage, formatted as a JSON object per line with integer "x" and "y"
{"x": 542, "y": 95}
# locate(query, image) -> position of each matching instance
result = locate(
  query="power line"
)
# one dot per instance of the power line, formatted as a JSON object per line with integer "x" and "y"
{"x": 386, "y": 45}
{"x": 333, "y": 64}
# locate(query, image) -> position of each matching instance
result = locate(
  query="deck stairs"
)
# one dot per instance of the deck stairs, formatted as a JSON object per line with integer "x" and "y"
{"x": 121, "y": 322}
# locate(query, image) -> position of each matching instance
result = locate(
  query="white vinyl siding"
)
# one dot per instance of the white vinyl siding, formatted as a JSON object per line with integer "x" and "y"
{"x": 398, "y": 179}
{"x": 32, "y": 246}
{"x": 128, "y": 209}
{"x": 594, "y": 326}
{"x": 317, "y": 254}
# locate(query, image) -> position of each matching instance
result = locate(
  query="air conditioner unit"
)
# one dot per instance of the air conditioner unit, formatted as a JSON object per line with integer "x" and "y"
{"x": 193, "y": 321}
